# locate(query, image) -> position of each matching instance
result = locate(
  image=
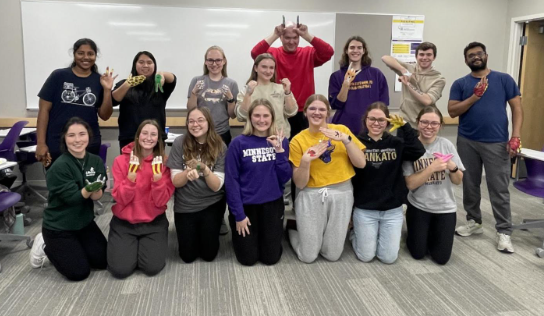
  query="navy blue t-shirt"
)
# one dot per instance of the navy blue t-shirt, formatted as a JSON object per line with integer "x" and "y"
{"x": 486, "y": 120}
{"x": 71, "y": 96}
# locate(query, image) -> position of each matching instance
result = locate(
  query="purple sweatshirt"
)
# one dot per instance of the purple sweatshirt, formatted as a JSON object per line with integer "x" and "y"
{"x": 254, "y": 173}
{"x": 368, "y": 86}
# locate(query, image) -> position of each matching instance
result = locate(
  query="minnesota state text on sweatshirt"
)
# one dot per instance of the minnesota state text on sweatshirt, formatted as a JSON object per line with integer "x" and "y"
{"x": 141, "y": 201}
{"x": 380, "y": 185}
{"x": 254, "y": 173}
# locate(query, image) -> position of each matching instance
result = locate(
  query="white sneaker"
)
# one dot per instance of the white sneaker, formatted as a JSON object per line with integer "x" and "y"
{"x": 470, "y": 228}
{"x": 37, "y": 255}
{"x": 504, "y": 244}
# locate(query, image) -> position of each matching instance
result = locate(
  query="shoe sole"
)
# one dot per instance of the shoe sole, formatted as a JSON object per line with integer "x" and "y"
{"x": 476, "y": 232}
{"x": 506, "y": 251}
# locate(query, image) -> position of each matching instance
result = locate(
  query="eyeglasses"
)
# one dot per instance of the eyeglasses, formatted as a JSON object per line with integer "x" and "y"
{"x": 212, "y": 61}
{"x": 433, "y": 124}
{"x": 314, "y": 109}
{"x": 381, "y": 120}
{"x": 479, "y": 54}
{"x": 199, "y": 121}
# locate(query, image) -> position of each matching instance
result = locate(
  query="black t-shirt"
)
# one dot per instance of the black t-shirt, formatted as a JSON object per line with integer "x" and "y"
{"x": 142, "y": 103}
{"x": 71, "y": 96}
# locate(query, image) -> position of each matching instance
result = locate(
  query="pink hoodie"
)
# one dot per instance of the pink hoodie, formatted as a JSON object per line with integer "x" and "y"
{"x": 141, "y": 201}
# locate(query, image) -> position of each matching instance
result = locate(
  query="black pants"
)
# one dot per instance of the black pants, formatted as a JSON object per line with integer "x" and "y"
{"x": 264, "y": 241}
{"x": 430, "y": 233}
{"x": 74, "y": 253}
{"x": 198, "y": 233}
{"x": 143, "y": 246}
{"x": 226, "y": 137}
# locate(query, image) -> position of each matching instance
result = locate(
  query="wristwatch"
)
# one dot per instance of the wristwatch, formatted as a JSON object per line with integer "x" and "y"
{"x": 349, "y": 140}
{"x": 231, "y": 100}
{"x": 454, "y": 170}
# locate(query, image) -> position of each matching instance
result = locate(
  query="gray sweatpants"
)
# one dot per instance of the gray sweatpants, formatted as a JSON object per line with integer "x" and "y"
{"x": 323, "y": 216}
{"x": 496, "y": 161}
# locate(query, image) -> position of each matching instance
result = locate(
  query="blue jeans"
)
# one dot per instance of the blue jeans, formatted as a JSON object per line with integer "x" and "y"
{"x": 377, "y": 234}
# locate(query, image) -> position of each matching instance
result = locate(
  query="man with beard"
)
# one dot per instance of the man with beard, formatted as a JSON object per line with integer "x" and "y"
{"x": 479, "y": 99}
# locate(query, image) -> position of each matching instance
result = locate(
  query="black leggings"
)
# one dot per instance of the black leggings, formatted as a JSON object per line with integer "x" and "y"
{"x": 74, "y": 253}
{"x": 298, "y": 123}
{"x": 198, "y": 233}
{"x": 265, "y": 234}
{"x": 430, "y": 233}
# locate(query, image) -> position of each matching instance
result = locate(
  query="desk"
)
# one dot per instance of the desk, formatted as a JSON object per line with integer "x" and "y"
{"x": 24, "y": 131}
{"x": 8, "y": 164}
{"x": 171, "y": 137}
{"x": 528, "y": 153}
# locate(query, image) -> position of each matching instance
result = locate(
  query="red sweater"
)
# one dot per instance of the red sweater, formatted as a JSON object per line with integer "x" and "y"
{"x": 141, "y": 201}
{"x": 297, "y": 66}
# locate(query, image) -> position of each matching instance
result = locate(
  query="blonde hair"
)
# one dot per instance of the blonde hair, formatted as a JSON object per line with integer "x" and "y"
{"x": 219, "y": 49}
{"x": 248, "y": 128}
{"x": 317, "y": 97}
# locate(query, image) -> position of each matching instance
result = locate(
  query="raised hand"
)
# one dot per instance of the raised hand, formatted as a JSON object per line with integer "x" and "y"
{"x": 481, "y": 87}
{"x": 199, "y": 86}
{"x": 444, "y": 158}
{"x": 276, "y": 141}
{"x": 350, "y": 74}
{"x": 134, "y": 164}
{"x": 251, "y": 87}
{"x": 156, "y": 166}
{"x": 302, "y": 30}
{"x": 134, "y": 81}
{"x": 96, "y": 185}
{"x": 395, "y": 120}
{"x": 107, "y": 79}
{"x": 278, "y": 30}
{"x": 159, "y": 80}
{"x": 226, "y": 92}
{"x": 333, "y": 134}
{"x": 286, "y": 85}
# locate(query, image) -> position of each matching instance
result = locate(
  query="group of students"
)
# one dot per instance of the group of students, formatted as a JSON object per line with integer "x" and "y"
{"x": 352, "y": 176}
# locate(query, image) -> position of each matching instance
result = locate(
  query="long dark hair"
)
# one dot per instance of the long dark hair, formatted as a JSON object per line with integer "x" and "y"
{"x": 212, "y": 147}
{"x": 77, "y": 45}
{"x": 365, "y": 60}
{"x": 73, "y": 121}
{"x": 146, "y": 89}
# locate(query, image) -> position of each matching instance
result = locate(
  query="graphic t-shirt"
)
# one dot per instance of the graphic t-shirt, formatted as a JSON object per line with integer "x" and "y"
{"x": 71, "y": 96}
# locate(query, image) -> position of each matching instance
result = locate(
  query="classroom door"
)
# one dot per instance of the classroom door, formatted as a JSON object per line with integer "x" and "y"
{"x": 532, "y": 87}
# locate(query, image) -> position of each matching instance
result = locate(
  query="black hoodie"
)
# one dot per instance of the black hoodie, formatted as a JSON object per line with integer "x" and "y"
{"x": 380, "y": 185}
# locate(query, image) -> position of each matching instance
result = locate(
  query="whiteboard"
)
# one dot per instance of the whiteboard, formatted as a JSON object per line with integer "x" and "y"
{"x": 178, "y": 38}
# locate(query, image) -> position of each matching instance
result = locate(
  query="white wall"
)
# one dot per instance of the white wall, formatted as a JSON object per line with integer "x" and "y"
{"x": 449, "y": 24}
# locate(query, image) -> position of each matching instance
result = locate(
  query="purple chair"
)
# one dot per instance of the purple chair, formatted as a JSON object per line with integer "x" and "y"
{"x": 8, "y": 201}
{"x": 7, "y": 147}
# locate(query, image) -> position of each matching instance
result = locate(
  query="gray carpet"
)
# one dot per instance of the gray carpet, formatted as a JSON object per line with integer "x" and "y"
{"x": 478, "y": 280}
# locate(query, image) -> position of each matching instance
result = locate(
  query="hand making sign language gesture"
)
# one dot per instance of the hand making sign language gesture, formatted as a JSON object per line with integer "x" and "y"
{"x": 276, "y": 141}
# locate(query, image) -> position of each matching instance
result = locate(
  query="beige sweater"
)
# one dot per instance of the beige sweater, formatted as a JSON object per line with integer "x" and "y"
{"x": 430, "y": 82}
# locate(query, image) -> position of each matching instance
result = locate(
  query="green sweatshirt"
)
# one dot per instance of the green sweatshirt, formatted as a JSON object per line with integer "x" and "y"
{"x": 67, "y": 209}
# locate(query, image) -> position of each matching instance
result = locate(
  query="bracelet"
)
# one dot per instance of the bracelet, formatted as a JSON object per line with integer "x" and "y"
{"x": 231, "y": 100}
{"x": 454, "y": 170}
{"x": 288, "y": 93}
